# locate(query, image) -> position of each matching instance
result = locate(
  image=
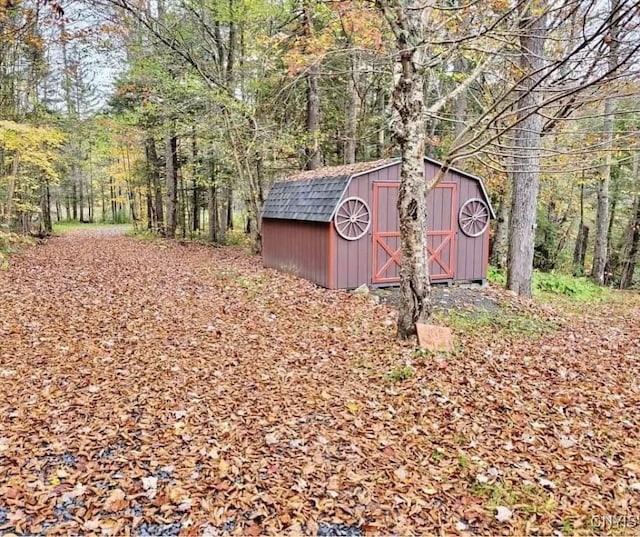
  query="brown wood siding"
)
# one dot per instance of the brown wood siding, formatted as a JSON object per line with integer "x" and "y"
{"x": 466, "y": 262}
{"x": 301, "y": 248}
{"x": 471, "y": 264}
{"x": 471, "y": 252}
{"x": 353, "y": 258}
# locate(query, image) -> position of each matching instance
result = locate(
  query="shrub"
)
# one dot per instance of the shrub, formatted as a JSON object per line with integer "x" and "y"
{"x": 495, "y": 275}
{"x": 11, "y": 243}
{"x": 570, "y": 286}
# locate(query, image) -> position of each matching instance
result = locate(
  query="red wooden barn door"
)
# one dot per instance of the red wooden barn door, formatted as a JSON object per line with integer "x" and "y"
{"x": 441, "y": 212}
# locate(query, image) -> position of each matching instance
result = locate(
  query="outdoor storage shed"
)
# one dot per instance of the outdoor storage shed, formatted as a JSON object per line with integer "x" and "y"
{"x": 339, "y": 226}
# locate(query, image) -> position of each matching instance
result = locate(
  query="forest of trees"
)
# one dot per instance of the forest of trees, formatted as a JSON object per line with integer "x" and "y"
{"x": 213, "y": 100}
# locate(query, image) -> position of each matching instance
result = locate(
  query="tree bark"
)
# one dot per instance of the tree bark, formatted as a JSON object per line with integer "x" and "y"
{"x": 212, "y": 205}
{"x": 582, "y": 239}
{"x": 171, "y": 157}
{"x": 45, "y": 208}
{"x": 381, "y": 107}
{"x": 229, "y": 217}
{"x": 195, "y": 219}
{"x": 460, "y": 106}
{"x": 408, "y": 21}
{"x": 500, "y": 245}
{"x": 353, "y": 108}
{"x": 212, "y": 208}
{"x": 314, "y": 158}
{"x": 527, "y": 144}
{"x": 602, "y": 216}
{"x": 632, "y": 247}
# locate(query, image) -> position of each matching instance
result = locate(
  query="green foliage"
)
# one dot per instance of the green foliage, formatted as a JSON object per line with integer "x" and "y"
{"x": 11, "y": 243}
{"x": 35, "y": 148}
{"x": 437, "y": 455}
{"x": 495, "y": 275}
{"x": 570, "y": 286}
{"x": 578, "y": 288}
{"x": 235, "y": 237}
{"x": 401, "y": 373}
{"x": 121, "y": 217}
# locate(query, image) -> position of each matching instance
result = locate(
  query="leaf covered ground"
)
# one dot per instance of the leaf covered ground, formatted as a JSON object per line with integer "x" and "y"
{"x": 156, "y": 388}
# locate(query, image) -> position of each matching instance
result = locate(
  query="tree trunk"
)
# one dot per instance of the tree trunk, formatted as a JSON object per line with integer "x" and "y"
{"x": 152, "y": 168}
{"x": 527, "y": 143}
{"x": 380, "y": 138}
{"x": 632, "y": 233}
{"x": 613, "y": 257}
{"x": 500, "y": 244}
{"x": 229, "y": 217}
{"x": 212, "y": 207}
{"x": 114, "y": 208}
{"x": 629, "y": 263}
{"x": 171, "y": 157}
{"x": 407, "y": 19}
{"x": 602, "y": 217}
{"x": 103, "y": 203}
{"x": 13, "y": 178}
{"x": 74, "y": 193}
{"x": 582, "y": 239}
{"x": 45, "y": 208}
{"x": 80, "y": 198}
{"x": 314, "y": 158}
{"x": 460, "y": 105}
{"x": 580, "y": 249}
{"x": 195, "y": 215}
{"x": 353, "y": 108}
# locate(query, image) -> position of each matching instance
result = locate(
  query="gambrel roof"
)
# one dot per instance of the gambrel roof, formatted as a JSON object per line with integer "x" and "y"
{"x": 314, "y": 195}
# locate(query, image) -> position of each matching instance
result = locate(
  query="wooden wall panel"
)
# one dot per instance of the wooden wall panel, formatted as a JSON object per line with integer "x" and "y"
{"x": 298, "y": 247}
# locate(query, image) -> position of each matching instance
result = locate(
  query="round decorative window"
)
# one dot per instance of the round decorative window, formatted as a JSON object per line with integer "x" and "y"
{"x": 473, "y": 217}
{"x": 352, "y": 219}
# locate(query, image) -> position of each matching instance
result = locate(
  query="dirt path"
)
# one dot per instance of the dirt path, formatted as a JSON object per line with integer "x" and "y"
{"x": 157, "y": 388}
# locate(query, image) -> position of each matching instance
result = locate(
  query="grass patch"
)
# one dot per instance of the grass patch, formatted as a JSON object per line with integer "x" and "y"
{"x": 555, "y": 283}
{"x": 69, "y": 226}
{"x": 502, "y": 323}
{"x": 528, "y": 499}
{"x": 235, "y": 237}
{"x": 401, "y": 373}
{"x": 143, "y": 235}
{"x": 569, "y": 286}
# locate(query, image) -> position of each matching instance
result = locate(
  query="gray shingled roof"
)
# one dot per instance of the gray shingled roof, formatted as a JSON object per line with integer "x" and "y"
{"x": 313, "y": 195}
{"x": 307, "y": 199}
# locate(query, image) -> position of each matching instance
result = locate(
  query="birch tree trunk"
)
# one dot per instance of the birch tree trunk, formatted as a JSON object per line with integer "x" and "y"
{"x": 408, "y": 20}
{"x": 527, "y": 145}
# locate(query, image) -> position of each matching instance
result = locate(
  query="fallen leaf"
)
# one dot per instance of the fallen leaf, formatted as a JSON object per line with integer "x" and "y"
{"x": 353, "y": 407}
{"x": 400, "y": 473}
{"x": 503, "y": 514}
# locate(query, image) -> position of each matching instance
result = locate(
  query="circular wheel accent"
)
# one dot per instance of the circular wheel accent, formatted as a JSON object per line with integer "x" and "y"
{"x": 473, "y": 218}
{"x": 352, "y": 219}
